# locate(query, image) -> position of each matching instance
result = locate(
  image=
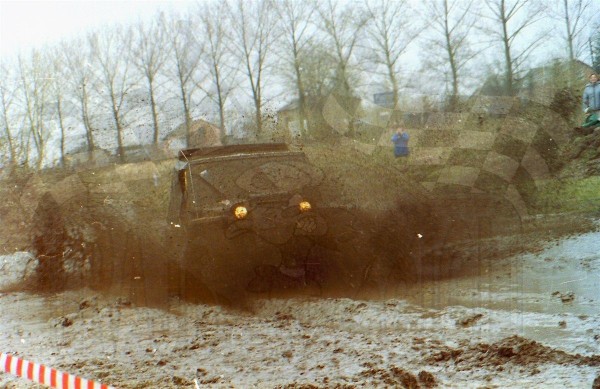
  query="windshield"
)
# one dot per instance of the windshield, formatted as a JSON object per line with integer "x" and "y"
{"x": 241, "y": 178}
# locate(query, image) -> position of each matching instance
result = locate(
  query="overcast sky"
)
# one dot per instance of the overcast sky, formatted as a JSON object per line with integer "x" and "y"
{"x": 27, "y": 24}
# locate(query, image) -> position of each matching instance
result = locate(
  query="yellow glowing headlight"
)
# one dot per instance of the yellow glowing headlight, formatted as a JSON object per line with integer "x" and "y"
{"x": 304, "y": 206}
{"x": 240, "y": 212}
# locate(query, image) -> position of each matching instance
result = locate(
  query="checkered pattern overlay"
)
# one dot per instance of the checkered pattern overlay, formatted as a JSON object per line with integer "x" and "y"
{"x": 450, "y": 151}
{"x": 446, "y": 149}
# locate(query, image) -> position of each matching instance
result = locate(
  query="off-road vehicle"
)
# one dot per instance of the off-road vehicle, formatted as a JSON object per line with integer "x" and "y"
{"x": 253, "y": 222}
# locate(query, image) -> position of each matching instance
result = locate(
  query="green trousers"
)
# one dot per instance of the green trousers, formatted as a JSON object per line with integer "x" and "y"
{"x": 591, "y": 120}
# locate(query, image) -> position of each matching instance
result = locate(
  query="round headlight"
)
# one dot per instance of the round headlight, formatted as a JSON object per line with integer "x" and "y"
{"x": 304, "y": 206}
{"x": 240, "y": 212}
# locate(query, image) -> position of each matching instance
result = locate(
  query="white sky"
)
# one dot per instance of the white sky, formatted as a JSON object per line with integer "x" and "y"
{"x": 28, "y": 24}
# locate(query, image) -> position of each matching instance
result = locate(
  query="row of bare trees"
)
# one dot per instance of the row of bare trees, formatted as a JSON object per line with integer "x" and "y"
{"x": 249, "y": 53}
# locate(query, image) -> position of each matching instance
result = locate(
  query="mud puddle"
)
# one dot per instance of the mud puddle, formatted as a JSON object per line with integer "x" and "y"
{"x": 560, "y": 277}
{"x": 551, "y": 296}
{"x": 525, "y": 321}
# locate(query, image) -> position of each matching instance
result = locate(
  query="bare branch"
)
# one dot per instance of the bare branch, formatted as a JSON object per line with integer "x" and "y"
{"x": 455, "y": 21}
{"x": 513, "y": 19}
{"x": 111, "y": 50}
{"x": 150, "y": 54}
{"x": 391, "y": 29}
{"x": 185, "y": 56}
{"x": 254, "y": 29}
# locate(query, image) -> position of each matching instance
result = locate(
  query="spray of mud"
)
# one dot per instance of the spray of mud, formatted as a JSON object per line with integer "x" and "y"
{"x": 122, "y": 245}
{"x": 362, "y": 255}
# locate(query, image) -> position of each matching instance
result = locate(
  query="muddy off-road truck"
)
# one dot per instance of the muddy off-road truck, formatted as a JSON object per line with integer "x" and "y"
{"x": 254, "y": 223}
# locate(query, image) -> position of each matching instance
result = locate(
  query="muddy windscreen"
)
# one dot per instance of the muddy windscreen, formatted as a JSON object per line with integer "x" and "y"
{"x": 231, "y": 179}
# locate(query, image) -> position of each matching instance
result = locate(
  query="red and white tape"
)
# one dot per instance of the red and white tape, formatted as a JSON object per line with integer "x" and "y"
{"x": 45, "y": 375}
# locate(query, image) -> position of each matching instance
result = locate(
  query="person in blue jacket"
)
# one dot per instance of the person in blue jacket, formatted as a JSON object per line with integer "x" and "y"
{"x": 400, "y": 140}
{"x": 591, "y": 101}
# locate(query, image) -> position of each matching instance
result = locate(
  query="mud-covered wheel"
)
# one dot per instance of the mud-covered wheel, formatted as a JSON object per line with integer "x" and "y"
{"x": 219, "y": 270}
{"x": 345, "y": 252}
{"x": 191, "y": 284}
{"x": 339, "y": 271}
{"x": 298, "y": 273}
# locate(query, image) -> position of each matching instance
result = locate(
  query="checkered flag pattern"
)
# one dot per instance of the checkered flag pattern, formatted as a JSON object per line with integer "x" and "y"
{"x": 458, "y": 150}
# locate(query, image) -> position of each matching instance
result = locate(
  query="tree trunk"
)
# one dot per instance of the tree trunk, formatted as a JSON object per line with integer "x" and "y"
{"x": 27, "y": 148}
{"x": 452, "y": 60}
{"x": 259, "y": 124}
{"x": 11, "y": 147}
{"x": 509, "y": 76}
{"x": 119, "y": 126}
{"x": 186, "y": 113}
{"x": 220, "y": 98}
{"x": 301, "y": 101}
{"x": 395, "y": 93}
{"x": 86, "y": 122}
{"x": 62, "y": 131}
{"x": 569, "y": 33}
{"x": 154, "y": 113}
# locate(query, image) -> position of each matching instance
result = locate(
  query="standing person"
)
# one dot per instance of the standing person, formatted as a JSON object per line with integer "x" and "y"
{"x": 400, "y": 140}
{"x": 591, "y": 101}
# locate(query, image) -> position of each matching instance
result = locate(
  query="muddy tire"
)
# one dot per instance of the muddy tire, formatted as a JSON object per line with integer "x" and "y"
{"x": 219, "y": 270}
{"x": 192, "y": 286}
{"x": 346, "y": 251}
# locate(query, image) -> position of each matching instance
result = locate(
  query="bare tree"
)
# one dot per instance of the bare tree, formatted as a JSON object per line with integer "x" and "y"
{"x": 112, "y": 50}
{"x": 77, "y": 57}
{"x": 511, "y": 20}
{"x": 576, "y": 16}
{"x": 7, "y": 98}
{"x": 317, "y": 73}
{"x": 594, "y": 45}
{"x": 57, "y": 95}
{"x": 218, "y": 59}
{"x": 344, "y": 30}
{"x": 253, "y": 29}
{"x": 150, "y": 54}
{"x": 452, "y": 21}
{"x": 390, "y": 30}
{"x": 295, "y": 17}
{"x": 34, "y": 80}
{"x": 185, "y": 56}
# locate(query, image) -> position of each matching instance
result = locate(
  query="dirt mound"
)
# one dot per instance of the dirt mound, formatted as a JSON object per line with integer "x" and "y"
{"x": 397, "y": 377}
{"x": 513, "y": 350}
{"x": 584, "y": 152}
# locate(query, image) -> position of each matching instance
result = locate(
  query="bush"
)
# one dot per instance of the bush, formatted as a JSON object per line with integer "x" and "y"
{"x": 565, "y": 103}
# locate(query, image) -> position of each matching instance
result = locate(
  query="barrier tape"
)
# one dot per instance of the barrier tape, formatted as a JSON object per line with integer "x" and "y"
{"x": 45, "y": 375}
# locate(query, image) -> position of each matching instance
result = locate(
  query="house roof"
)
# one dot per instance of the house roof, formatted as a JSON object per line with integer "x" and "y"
{"x": 196, "y": 124}
{"x": 544, "y": 71}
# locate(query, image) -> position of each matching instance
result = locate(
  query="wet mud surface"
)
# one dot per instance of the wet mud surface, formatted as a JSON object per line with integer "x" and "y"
{"x": 518, "y": 323}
